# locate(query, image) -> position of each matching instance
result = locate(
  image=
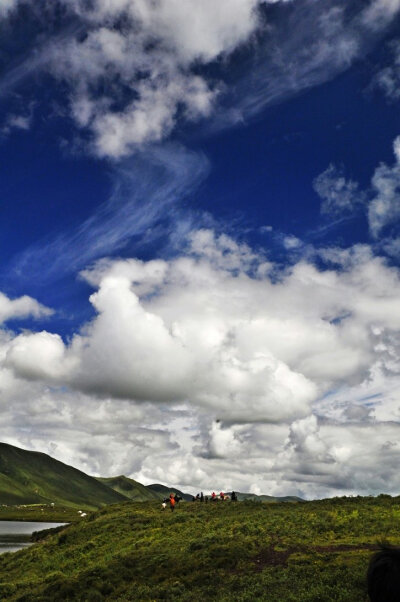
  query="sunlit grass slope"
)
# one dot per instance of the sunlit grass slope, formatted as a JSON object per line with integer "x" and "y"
{"x": 30, "y": 477}
{"x": 245, "y": 551}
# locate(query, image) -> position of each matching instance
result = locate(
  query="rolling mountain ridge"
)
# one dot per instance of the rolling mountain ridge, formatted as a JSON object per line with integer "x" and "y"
{"x": 28, "y": 477}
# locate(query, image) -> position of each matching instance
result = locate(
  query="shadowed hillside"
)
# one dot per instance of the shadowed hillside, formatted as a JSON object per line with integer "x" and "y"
{"x": 164, "y": 491}
{"x": 130, "y": 488}
{"x": 28, "y": 477}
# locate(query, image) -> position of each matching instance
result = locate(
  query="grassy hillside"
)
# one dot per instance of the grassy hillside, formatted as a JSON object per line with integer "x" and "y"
{"x": 40, "y": 513}
{"x": 129, "y": 488}
{"x": 243, "y": 551}
{"x": 34, "y": 478}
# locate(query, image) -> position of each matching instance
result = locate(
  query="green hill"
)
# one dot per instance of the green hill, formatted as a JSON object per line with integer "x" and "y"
{"x": 137, "y": 492}
{"x": 28, "y": 477}
{"x": 129, "y": 488}
{"x": 244, "y": 551}
{"x": 163, "y": 491}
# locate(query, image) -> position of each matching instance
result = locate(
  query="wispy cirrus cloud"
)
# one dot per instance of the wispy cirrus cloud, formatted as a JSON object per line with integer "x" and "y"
{"x": 326, "y": 38}
{"x": 147, "y": 191}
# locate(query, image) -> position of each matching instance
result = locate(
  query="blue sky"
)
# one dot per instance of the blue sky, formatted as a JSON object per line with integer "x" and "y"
{"x": 200, "y": 240}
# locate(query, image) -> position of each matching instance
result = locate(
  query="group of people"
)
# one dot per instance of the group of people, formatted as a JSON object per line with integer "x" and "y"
{"x": 174, "y": 498}
{"x": 214, "y": 497}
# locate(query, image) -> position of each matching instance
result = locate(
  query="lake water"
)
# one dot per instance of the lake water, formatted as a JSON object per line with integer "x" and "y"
{"x": 15, "y": 535}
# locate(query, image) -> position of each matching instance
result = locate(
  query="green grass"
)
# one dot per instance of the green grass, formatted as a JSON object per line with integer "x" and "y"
{"x": 245, "y": 551}
{"x": 40, "y": 513}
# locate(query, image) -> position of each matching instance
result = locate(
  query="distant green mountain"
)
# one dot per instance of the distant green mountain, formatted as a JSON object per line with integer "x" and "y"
{"x": 129, "y": 488}
{"x": 137, "y": 492}
{"x": 28, "y": 477}
{"x": 164, "y": 491}
{"x": 267, "y": 498}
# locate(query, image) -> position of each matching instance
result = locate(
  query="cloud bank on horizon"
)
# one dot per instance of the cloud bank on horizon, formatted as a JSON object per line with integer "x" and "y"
{"x": 211, "y": 360}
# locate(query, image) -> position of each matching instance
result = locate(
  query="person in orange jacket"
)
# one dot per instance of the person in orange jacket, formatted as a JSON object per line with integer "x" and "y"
{"x": 172, "y": 501}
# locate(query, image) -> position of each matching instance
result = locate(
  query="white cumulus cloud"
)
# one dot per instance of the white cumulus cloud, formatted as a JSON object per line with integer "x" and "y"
{"x": 129, "y": 85}
{"x": 210, "y": 328}
{"x": 22, "y": 307}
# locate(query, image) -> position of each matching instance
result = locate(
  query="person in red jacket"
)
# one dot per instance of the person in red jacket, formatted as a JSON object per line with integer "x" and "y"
{"x": 172, "y": 501}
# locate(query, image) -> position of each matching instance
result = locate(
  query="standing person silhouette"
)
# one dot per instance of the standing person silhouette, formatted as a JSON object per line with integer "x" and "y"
{"x": 172, "y": 501}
